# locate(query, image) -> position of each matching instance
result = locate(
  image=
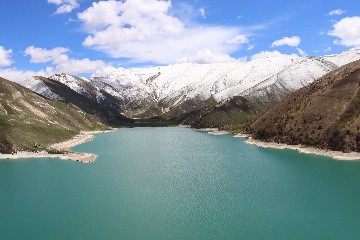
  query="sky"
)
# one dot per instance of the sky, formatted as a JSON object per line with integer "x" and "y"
{"x": 94, "y": 38}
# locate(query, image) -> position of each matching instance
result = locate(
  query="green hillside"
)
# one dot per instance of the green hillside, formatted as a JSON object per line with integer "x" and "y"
{"x": 29, "y": 121}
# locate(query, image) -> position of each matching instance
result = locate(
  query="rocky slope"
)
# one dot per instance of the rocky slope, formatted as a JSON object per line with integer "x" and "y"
{"x": 29, "y": 121}
{"x": 325, "y": 114}
{"x": 80, "y": 93}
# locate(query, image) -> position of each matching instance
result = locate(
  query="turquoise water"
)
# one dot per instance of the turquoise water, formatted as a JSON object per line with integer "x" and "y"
{"x": 175, "y": 183}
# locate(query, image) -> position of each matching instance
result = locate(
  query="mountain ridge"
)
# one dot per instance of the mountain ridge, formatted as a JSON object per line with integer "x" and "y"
{"x": 167, "y": 87}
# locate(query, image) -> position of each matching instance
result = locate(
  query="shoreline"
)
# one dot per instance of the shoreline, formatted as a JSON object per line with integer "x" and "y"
{"x": 65, "y": 146}
{"x": 337, "y": 155}
{"x": 212, "y": 131}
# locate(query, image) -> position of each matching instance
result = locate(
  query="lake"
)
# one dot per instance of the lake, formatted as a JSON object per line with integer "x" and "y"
{"x": 176, "y": 183}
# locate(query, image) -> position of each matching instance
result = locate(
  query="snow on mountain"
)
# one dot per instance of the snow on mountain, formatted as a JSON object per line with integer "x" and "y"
{"x": 267, "y": 79}
{"x": 261, "y": 78}
{"x": 79, "y": 85}
{"x": 38, "y": 86}
{"x": 343, "y": 58}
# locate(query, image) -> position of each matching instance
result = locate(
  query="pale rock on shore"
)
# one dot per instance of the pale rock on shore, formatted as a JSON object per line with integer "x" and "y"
{"x": 303, "y": 149}
{"x": 65, "y": 146}
{"x": 219, "y": 132}
{"x": 212, "y": 131}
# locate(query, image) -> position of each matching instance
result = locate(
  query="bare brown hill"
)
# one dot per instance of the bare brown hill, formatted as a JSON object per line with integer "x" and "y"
{"x": 325, "y": 114}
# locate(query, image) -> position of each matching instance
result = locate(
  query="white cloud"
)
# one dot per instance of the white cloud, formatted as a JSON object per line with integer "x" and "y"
{"x": 290, "y": 41}
{"x": 347, "y": 32}
{"x": 16, "y": 75}
{"x": 146, "y": 31}
{"x": 328, "y": 49}
{"x": 64, "y": 6}
{"x": 5, "y": 57}
{"x": 100, "y": 72}
{"x": 62, "y": 62}
{"x": 238, "y": 40}
{"x": 251, "y": 47}
{"x": 202, "y": 13}
{"x": 75, "y": 66}
{"x": 40, "y": 55}
{"x": 267, "y": 54}
{"x": 337, "y": 12}
{"x": 301, "y": 52}
{"x": 207, "y": 56}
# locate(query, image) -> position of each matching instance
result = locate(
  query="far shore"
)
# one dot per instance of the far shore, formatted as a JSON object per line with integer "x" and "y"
{"x": 82, "y": 137}
{"x": 302, "y": 148}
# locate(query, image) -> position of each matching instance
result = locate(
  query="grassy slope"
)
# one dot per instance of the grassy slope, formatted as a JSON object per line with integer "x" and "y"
{"x": 27, "y": 119}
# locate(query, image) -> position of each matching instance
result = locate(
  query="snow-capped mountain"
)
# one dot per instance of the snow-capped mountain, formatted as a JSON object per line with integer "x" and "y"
{"x": 38, "y": 86}
{"x": 177, "y": 83}
{"x": 80, "y": 85}
{"x": 267, "y": 79}
{"x": 66, "y": 83}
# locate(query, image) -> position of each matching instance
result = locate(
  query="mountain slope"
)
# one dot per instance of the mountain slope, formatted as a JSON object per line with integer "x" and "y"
{"x": 229, "y": 115}
{"x": 28, "y": 120}
{"x": 78, "y": 92}
{"x": 325, "y": 114}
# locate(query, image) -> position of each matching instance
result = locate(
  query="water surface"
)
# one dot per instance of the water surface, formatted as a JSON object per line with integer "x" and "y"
{"x": 175, "y": 183}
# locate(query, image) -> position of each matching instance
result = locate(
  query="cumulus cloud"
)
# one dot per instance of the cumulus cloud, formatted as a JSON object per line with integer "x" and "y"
{"x": 62, "y": 62}
{"x": 337, "y": 12}
{"x": 75, "y": 66}
{"x": 40, "y": 55}
{"x": 290, "y": 41}
{"x": 267, "y": 54}
{"x": 5, "y": 57}
{"x": 347, "y": 32}
{"x": 146, "y": 31}
{"x": 64, "y": 6}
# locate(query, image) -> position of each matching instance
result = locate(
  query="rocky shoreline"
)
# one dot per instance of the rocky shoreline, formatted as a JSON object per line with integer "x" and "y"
{"x": 62, "y": 150}
{"x": 302, "y": 148}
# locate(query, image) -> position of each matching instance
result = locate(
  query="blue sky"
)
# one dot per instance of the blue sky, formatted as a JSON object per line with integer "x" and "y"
{"x": 83, "y": 37}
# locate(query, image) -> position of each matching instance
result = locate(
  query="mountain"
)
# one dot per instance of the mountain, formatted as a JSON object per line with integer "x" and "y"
{"x": 268, "y": 80}
{"x": 29, "y": 121}
{"x": 229, "y": 115}
{"x": 178, "y": 89}
{"x": 80, "y": 93}
{"x": 325, "y": 114}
